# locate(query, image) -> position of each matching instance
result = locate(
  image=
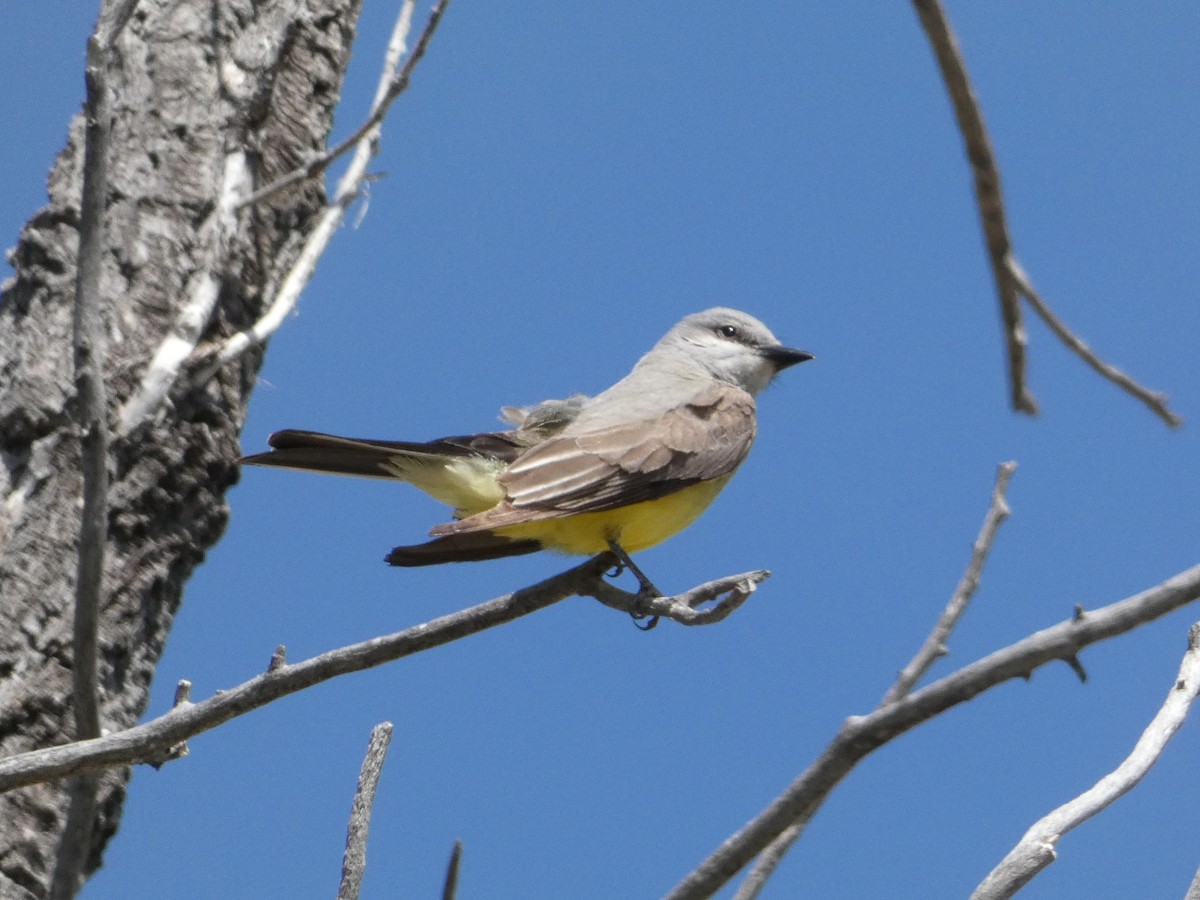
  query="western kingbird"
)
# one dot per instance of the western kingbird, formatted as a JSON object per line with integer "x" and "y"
{"x": 620, "y": 471}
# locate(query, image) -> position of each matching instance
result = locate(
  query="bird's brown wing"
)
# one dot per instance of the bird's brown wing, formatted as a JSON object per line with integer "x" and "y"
{"x": 621, "y": 465}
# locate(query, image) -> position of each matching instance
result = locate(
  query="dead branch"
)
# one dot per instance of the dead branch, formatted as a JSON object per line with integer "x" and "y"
{"x": 729, "y": 593}
{"x": 396, "y": 85}
{"x": 1011, "y": 282}
{"x": 159, "y": 739}
{"x": 1036, "y": 849}
{"x": 365, "y": 142}
{"x": 354, "y": 862}
{"x": 933, "y": 649}
{"x": 935, "y": 645}
{"x": 91, "y": 411}
{"x": 863, "y": 734}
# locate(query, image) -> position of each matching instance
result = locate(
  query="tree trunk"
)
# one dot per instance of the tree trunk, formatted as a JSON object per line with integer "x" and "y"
{"x": 199, "y": 86}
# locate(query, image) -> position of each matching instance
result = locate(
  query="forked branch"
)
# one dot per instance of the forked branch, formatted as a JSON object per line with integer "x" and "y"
{"x": 862, "y": 735}
{"x": 1011, "y": 282}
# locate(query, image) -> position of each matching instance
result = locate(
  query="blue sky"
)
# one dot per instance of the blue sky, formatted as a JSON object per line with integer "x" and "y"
{"x": 563, "y": 183}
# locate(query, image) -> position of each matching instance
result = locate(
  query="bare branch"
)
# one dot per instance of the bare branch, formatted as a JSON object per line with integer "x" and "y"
{"x": 862, "y": 735}
{"x": 933, "y": 649}
{"x": 730, "y": 592}
{"x": 988, "y": 194}
{"x": 149, "y": 741}
{"x": 450, "y": 888}
{"x": 1156, "y": 401}
{"x": 768, "y": 861}
{"x": 91, "y": 413}
{"x": 1193, "y": 891}
{"x": 354, "y": 862}
{"x": 1010, "y": 278}
{"x": 365, "y": 142}
{"x": 392, "y": 85}
{"x": 935, "y": 645}
{"x": 1035, "y": 850}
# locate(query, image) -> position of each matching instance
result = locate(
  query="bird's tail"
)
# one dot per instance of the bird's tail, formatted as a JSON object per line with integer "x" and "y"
{"x": 459, "y": 471}
{"x": 472, "y": 547}
{"x": 314, "y": 452}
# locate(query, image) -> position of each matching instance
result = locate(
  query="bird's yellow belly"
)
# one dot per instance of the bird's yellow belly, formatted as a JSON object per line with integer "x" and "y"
{"x": 635, "y": 527}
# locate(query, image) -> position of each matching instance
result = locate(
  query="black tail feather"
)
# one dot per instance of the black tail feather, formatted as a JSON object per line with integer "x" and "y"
{"x": 317, "y": 452}
{"x": 473, "y": 547}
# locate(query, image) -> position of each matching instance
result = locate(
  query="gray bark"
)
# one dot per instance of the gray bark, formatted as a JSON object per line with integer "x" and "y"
{"x": 193, "y": 80}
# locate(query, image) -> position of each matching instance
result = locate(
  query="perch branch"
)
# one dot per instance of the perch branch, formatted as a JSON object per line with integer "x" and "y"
{"x": 152, "y": 740}
{"x": 160, "y": 739}
{"x": 729, "y": 593}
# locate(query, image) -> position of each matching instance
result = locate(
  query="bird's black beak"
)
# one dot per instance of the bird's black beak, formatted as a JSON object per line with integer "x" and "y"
{"x": 782, "y": 357}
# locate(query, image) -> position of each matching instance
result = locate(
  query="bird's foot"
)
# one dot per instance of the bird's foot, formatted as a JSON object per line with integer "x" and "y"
{"x": 647, "y": 592}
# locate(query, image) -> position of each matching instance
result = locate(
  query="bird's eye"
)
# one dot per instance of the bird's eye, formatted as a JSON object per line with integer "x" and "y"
{"x": 729, "y": 331}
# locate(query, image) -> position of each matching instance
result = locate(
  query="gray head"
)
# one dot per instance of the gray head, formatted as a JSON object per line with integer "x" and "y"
{"x": 730, "y": 346}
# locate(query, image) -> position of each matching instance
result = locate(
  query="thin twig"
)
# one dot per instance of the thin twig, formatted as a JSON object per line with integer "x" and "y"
{"x": 861, "y": 735}
{"x": 392, "y": 86}
{"x": 730, "y": 592}
{"x": 366, "y": 143}
{"x": 935, "y": 645}
{"x": 92, "y": 419}
{"x": 450, "y": 887}
{"x": 1036, "y": 850}
{"x": 354, "y": 862}
{"x": 988, "y": 194}
{"x": 1155, "y": 400}
{"x": 934, "y": 648}
{"x": 768, "y": 861}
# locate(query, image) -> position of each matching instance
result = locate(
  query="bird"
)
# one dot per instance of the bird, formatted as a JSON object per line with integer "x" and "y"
{"x": 620, "y": 471}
